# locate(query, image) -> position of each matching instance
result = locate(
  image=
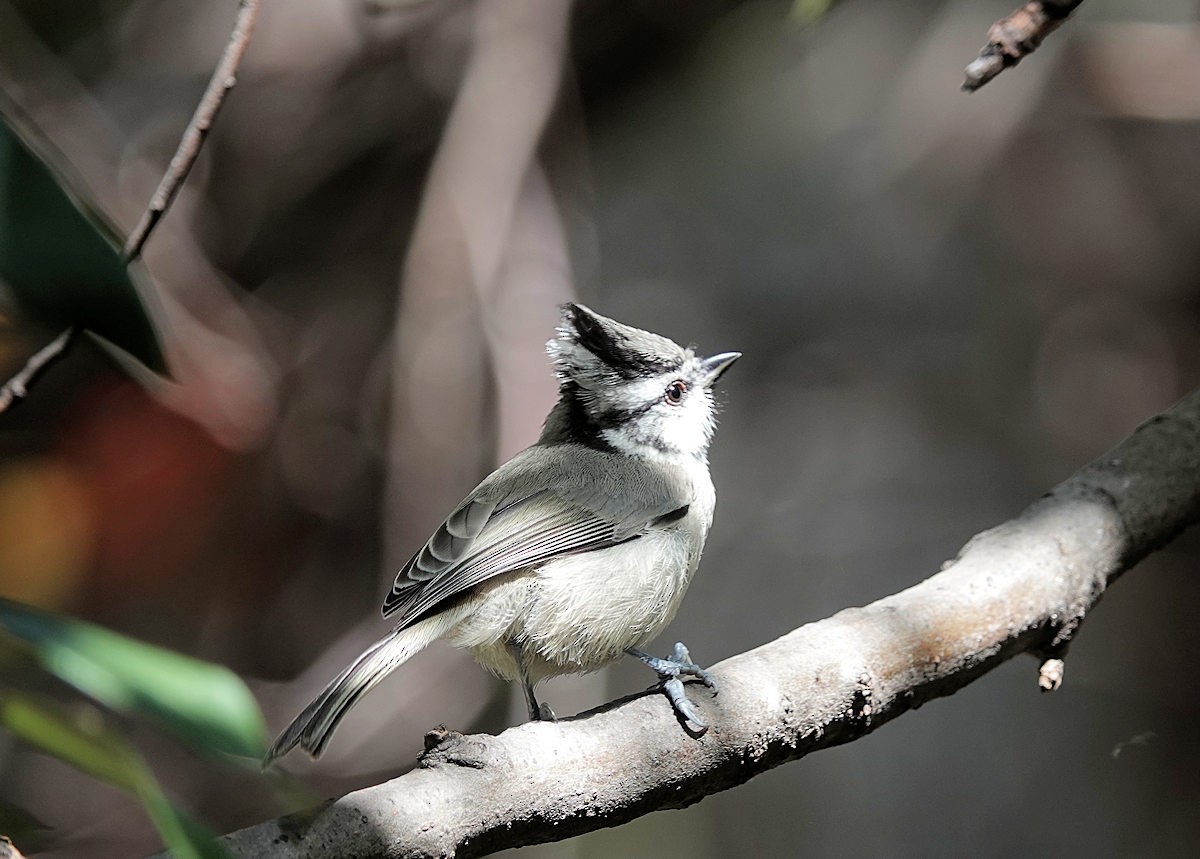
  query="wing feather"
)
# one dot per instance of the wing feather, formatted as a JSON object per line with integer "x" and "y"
{"x": 470, "y": 517}
{"x": 540, "y": 505}
{"x": 514, "y": 553}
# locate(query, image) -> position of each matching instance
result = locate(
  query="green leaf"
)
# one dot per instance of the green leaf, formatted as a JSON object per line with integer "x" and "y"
{"x": 809, "y": 12}
{"x": 187, "y": 838}
{"x": 205, "y": 704}
{"x": 80, "y": 737}
{"x": 62, "y": 263}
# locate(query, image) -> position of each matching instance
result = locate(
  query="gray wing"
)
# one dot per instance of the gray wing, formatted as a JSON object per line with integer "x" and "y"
{"x": 544, "y": 503}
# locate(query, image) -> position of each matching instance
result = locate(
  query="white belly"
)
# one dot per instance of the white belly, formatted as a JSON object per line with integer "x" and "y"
{"x": 579, "y": 613}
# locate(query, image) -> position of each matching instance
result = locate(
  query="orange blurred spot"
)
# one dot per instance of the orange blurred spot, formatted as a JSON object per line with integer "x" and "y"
{"x": 46, "y": 531}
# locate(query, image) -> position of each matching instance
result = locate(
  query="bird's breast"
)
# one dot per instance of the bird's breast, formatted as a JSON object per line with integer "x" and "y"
{"x": 579, "y": 612}
{"x": 587, "y": 608}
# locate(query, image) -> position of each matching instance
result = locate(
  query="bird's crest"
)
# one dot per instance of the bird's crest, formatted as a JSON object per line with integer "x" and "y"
{"x": 589, "y": 349}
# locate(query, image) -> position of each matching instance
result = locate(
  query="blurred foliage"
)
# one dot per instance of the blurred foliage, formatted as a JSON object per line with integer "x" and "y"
{"x": 206, "y": 705}
{"x": 80, "y": 737}
{"x": 807, "y": 12}
{"x": 62, "y": 266}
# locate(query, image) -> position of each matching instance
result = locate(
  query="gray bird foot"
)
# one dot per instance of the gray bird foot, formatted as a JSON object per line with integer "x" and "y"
{"x": 545, "y": 714}
{"x": 669, "y": 671}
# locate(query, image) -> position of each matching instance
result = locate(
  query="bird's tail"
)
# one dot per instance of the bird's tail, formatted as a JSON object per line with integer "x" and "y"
{"x": 312, "y": 729}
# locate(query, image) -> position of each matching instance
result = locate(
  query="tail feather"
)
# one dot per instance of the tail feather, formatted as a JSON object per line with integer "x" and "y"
{"x": 312, "y": 729}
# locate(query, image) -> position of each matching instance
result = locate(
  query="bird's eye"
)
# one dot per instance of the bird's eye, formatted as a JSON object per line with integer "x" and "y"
{"x": 675, "y": 392}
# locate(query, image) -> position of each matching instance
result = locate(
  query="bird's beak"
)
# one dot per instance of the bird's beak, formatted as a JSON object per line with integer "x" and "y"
{"x": 716, "y": 365}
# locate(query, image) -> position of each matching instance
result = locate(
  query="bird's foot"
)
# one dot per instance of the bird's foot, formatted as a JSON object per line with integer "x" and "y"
{"x": 669, "y": 671}
{"x": 545, "y": 714}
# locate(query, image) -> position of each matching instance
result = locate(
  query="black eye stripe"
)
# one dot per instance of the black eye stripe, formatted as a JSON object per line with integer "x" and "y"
{"x": 618, "y": 417}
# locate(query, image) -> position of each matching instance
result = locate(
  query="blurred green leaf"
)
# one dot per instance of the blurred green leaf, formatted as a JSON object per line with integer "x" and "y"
{"x": 205, "y": 704}
{"x": 81, "y": 738}
{"x": 64, "y": 268}
{"x": 186, "y": 837}
{"x": 808, "y": 12}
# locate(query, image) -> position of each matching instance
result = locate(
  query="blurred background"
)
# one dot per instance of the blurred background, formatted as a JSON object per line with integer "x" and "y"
{"x": 947, "y": 304}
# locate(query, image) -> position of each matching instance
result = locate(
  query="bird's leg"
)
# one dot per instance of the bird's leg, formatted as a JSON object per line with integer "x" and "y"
{"x": 530, "y": 701}
{"x": 537, "y": 712}
{"x": 669, "y": 670}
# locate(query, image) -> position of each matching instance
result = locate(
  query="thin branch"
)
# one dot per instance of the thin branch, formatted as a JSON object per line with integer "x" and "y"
{"x": 1022, "y": 587}
{"x": 223, "y": 80}
{"x": 1011, "y": 39}
{"x": 17, "y": 387}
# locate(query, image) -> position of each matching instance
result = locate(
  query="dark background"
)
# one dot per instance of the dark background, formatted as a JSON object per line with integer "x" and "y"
{"x": 946, "y": 303}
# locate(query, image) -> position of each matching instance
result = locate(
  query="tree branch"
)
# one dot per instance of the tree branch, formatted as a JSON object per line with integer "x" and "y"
{"x": 1013, "y": 38}
{"x": 223, "y": 79}
{"x": 17, "y": 387}
{"x": 1024, "y": 586}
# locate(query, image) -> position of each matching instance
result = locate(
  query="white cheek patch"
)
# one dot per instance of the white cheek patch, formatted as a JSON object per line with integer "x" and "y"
{"x": 668, "y": 431}
{"x": 688, "y": 427}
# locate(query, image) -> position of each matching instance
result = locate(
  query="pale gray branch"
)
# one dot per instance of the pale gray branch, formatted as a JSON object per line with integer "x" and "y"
{"x": 1023, "y": 586}
{"x": 1014, "y": 37}
{"x": 16, "y": 388}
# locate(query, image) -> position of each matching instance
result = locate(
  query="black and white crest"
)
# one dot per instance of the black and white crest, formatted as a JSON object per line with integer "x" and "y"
{"x": 628, "y": 390}
{"x": 591, "y": 350}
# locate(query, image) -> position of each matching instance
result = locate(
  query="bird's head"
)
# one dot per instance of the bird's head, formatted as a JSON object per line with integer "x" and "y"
{"x": 631, "y": 390}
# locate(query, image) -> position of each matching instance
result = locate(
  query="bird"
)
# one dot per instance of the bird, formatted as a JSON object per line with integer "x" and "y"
{"x": 576, "y": 551}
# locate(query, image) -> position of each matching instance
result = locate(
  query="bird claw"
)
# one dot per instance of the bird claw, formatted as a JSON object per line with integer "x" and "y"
{"x": 545, "y": 714}
{"x": 686, "y": 666}
{"x": 683, "y": 707}
{"x": 669, "y": 671}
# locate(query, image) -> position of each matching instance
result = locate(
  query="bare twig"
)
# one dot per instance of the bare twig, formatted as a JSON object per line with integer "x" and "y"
{"x": 17, "y": 387}
{"x": 226, "y": 380}
{"x": 223, "y": 80}
{"x": 1011, "y": 39}
{"x": 1024, "y": 586}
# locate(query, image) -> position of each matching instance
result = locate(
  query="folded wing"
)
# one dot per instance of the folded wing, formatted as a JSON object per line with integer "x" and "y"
{"x": 539, "y": 506}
